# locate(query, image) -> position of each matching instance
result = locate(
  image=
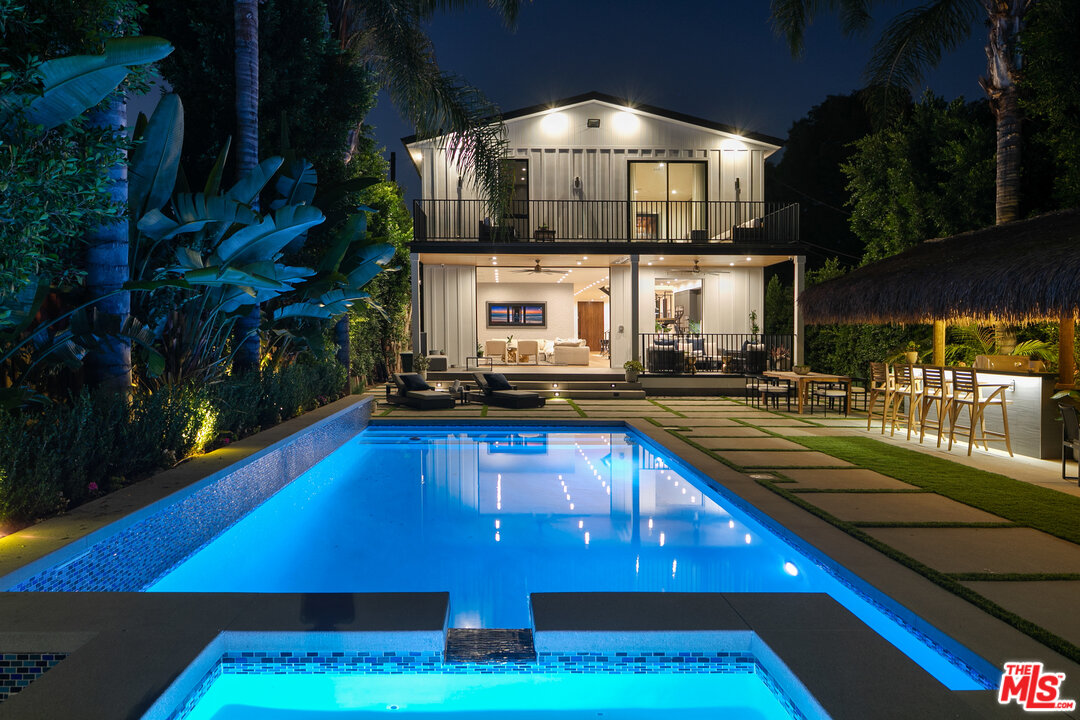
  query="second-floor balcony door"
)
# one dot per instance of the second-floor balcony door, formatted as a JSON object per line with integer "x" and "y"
{"x": 668, "y": 200}
{"x": 518, "y": 216}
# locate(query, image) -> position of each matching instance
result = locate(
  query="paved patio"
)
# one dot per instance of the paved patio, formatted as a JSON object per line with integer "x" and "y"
{"x": 1006, "y": 565}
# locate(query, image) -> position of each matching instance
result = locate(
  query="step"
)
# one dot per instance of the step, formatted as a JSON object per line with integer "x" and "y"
{"x": 482, "y": 645}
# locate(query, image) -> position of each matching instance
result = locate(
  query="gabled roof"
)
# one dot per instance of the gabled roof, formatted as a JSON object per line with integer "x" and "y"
{"x": 623, "y": 102}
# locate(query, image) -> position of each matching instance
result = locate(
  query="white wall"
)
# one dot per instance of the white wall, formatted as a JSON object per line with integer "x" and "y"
{"x": 620, "y": 314}
{"x": 560, "y": 153}
{"x": 561, "y": 309}
{"x": 449, "y": 320}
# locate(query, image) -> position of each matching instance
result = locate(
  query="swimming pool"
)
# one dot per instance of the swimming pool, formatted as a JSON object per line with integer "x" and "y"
{"x": 494, "y": 514}
{"x": 245, "y": 686}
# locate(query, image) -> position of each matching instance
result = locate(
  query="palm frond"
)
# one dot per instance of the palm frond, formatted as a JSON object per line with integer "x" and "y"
{"x": 388, "y": 36}
{"x": 914, "y": 41}
{"x": 790, "y": 18}
{"x": 507, "y": 9}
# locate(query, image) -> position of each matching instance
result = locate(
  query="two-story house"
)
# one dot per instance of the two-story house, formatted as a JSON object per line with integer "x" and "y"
{"x": 633, "y": 231}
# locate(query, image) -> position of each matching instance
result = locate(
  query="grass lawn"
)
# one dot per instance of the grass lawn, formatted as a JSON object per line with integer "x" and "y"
{"x": 1030, "y": 505}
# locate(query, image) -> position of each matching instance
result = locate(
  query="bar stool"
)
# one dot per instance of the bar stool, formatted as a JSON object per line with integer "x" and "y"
{"x": 906, "y": 391}
{"x": 881, "y": 387}
{"x": 966, "y": 393}
{"x": 935, "y": 395}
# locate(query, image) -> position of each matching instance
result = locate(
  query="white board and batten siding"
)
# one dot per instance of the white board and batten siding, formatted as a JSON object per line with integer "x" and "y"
{"x": 570, "y": 161}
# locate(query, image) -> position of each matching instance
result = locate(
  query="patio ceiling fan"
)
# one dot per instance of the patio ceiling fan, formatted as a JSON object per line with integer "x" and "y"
{"x": 696, "y": 270}
{"x": 536, "y": 269}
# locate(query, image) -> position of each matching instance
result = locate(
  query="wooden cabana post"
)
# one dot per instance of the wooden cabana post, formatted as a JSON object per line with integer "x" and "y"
{"x": 1066, "y": 362}
{"x": 939, "y": 342}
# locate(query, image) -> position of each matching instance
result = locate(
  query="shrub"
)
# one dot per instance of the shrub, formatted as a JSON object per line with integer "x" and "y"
{"x": 61, "y": 455}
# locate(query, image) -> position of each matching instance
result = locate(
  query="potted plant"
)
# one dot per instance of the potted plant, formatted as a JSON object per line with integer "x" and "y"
{"x": 543, "y": 233}
{"x": 754, "y": 329}
{"x": 479, "y": 350}
{"x": 632, "y": 368}
{"x": 912, "y": 352}
{"x": 777, "y": 356}
{"x": 420, "y": 364}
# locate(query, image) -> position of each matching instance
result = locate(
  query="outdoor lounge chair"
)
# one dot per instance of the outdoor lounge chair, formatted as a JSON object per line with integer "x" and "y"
{"x": 413, "y": 391}
{"x": 497, "y": 391}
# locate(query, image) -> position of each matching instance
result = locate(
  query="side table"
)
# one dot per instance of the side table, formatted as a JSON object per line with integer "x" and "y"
{"x": 479, "y": 360}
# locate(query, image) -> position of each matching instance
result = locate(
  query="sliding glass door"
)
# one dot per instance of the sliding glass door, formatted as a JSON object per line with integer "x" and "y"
{"x": 667, "y": 200}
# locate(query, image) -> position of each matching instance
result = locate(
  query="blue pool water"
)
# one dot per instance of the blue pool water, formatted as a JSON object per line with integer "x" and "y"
{"x": 475, "y": 696}
{"x": 493, "y": 515}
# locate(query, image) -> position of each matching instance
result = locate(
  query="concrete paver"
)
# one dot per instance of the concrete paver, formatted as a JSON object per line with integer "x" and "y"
{"x": 897, "y": 507}
{"x": 984, "y": 550}
{"x": 780, "y": 459}
{"x": 765, "y": 443}
{"x": 1049, "y": 603}
{"x": 843, "y": 479}
{"x": 724, "y": 431}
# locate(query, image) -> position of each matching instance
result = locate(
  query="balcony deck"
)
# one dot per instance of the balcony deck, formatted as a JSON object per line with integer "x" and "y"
{"x": 693, "y": 223}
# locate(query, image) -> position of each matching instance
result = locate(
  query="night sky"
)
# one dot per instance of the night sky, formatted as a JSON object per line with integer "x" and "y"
{"x": 717, "y": 60}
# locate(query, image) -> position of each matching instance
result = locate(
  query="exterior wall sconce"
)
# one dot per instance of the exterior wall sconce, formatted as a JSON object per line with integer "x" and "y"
{"x": 577, "y": 182}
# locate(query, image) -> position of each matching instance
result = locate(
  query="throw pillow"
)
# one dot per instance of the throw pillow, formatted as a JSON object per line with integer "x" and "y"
{"x": 497, "y": 381}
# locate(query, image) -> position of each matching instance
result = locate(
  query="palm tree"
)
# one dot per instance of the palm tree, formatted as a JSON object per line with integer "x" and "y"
{"x": 388, "y": 36}
{"x": 246, "y": 20}
{"x": 915, "y": 40}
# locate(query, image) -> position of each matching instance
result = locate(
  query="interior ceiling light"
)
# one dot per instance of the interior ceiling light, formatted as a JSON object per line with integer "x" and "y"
{"x": 749, "y": 259}
{"x": 732, "y": 264}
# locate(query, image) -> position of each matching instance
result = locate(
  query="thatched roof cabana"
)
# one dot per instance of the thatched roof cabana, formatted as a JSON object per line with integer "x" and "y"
{"x": 1020, "y": 272}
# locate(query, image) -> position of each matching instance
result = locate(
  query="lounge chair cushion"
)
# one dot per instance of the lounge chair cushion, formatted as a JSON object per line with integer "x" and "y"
{"x": 496, "y": 381}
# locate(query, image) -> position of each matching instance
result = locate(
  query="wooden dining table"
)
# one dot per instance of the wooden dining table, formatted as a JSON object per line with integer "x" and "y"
{"x": 802, "y": 383}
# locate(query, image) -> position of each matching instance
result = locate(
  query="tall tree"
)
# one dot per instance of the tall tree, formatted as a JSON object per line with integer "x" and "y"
{"x": 388, "y": 36}
{"x": 915, "y": 41}
{"x": 246, "y": 19}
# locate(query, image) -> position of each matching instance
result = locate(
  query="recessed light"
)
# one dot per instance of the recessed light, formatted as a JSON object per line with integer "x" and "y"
{"x": 749, "y": 259}
{"x": 732, "y": 264}
{"x": 661, "y": 258}
{"x": 584, "y": 257}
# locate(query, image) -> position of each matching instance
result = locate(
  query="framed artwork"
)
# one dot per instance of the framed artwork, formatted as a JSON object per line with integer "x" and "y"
{"x": 647, "y": 226}
{"x": 517, "y": 314}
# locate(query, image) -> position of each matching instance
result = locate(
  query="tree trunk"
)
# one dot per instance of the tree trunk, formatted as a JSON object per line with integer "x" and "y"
{"x": 109, "y": 366}
{"x": 1003, "y": 63}
{"x": 246, "y": 20}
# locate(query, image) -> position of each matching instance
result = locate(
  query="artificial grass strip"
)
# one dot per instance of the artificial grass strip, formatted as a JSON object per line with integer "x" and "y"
{"x": 571, "y": 403}
{"x": 697, "y": 446}
{"x": 665, "y": 408}
{"x": 484, "y": 411}
{"x": 386, "y": 412}
{"x": 863, "y": 491}
{"x": 942, "y": 524}
{"x": 1030, "y": 505}
{"x": 1015, "y": 577}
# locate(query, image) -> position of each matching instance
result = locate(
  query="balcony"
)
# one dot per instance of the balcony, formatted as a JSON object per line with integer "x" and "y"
{"x": 610, "y": 221}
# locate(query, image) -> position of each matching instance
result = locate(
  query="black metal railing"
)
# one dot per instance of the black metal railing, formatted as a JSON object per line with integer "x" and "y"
{"x": 675, "y": 221}
{"x": 736, "y": 353}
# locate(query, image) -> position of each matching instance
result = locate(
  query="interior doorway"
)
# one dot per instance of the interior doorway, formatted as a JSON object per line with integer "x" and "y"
{"x": 591, "y": 324}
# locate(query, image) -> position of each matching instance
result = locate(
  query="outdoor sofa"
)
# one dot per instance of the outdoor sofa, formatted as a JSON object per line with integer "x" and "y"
{"x": 495, "y": 390}
{"x": 413, "y": 391}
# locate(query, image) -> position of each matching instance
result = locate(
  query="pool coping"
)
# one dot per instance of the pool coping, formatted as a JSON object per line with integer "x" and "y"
{"x": 983, "y": 634}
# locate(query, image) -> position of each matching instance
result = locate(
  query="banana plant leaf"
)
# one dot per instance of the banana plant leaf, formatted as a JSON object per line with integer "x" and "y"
{"x": 74, "y": 84}
{"x": 156, "y": 158}
{"x": 368, "y": 263}
{"x": 194, "y": 212}
{"x": 310, "y": 310}
{"x": 18, "y": 310}
{"x": 213, "y": 180}
{"x": 354, "y": 228}
{"x": 267, "y": 239}
{"x": 296, "y": 185}
{"x": 253, "y": 183}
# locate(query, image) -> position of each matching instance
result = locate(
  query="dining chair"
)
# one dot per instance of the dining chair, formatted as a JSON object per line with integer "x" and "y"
{"x": 880, "y": 388}
{"x": 905, "y": 392}
{"x": 966, "y": 392}
{"x": 774, "y": 389}
{"x": 934, "y": 395}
